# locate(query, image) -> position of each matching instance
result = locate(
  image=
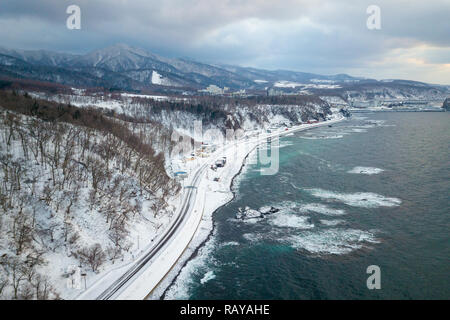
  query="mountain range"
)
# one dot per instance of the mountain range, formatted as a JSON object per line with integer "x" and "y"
{"x": 129, "y": 68}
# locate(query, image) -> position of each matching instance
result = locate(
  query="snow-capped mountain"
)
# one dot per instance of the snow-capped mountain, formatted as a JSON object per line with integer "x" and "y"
{"x": 39, "y": 57}
{"x": 122, "y": 58}
{"x": 129, "y": 68}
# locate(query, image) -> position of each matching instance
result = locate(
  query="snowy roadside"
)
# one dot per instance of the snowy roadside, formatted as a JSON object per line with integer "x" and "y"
{"x": 161, "y": 270}
{"x": 211, "y": 196}
{"x": 147, "y": 241}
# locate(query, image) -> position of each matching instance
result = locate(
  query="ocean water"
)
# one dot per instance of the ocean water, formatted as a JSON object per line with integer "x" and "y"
{"x": 373, "y": 190}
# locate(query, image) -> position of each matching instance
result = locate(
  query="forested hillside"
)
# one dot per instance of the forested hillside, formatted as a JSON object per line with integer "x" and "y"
{"x": 77, "y": 188}
{"x": 85, "y": 185}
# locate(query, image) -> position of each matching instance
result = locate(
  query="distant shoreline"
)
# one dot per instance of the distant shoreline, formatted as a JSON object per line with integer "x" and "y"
{"x": 396, "y": 110}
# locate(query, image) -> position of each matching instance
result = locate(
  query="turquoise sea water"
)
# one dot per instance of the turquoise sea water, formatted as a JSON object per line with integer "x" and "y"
{"x": 373, "y": 190}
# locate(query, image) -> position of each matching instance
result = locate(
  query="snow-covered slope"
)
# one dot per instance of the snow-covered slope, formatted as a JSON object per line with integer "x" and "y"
{"x": 72, "y": 195}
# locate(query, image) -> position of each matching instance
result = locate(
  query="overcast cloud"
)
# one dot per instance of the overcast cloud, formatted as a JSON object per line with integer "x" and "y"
{"x": 321, "y": 36}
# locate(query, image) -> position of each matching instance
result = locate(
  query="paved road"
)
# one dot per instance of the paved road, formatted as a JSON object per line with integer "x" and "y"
{"x": 186, "y": 209}
{"x": 189, "y": 201}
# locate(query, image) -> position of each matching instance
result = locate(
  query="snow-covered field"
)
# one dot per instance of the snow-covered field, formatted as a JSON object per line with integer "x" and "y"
{"x": 290, "y": 84}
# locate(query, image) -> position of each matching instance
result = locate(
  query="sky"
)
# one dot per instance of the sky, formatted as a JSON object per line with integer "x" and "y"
{"x": 320, "y": 36}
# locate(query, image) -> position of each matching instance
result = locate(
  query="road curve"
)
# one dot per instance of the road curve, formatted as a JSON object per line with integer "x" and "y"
{"x": 184, "y": 213}
{"x": 181, "y": 217}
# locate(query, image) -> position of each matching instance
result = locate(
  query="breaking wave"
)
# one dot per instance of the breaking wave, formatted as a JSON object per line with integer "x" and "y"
{"x": 359, "y": 130}
{"x": 253, "y": 237}
{"x": 331, "y": 223}
{"x": 317, "y": 137}
{"x": 365, "y": 170}
{"x": 284, "y": 219}
{"x": 322, "y": 209}
{"x": 230, "y": 243}
{"x": 359, "y": 199}
{"x": 292, "y": 206}
{"x": 194, "y": 267}
{"x": 332, "y": 241}
{"x": 208, "y": 276}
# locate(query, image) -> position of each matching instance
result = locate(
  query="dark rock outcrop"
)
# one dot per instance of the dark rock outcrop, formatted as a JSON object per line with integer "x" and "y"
{"x": 446, "y": 104}
{"x": 345, "y": 113}
{"x": 268, "y": 210}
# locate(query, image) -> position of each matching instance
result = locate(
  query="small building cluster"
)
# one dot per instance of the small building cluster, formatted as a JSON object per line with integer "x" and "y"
{"x": 213, "y": 89}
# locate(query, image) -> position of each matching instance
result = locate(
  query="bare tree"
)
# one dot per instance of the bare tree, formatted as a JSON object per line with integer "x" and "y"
{"x": 47, "y": 194}
{"x": 22, "y": 232}
{"x": 42, "y": 287}
{"x": 4, "y": 282}
{"x": 93, "y": 256}
{"x": 26, "y": 291}
{"x": 14, "y": 269}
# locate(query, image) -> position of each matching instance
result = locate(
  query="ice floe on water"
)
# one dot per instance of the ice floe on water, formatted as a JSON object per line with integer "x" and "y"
{"x": 290, "y": 220}
{"x": 208, "y": 276}
{"x": 365, "y": 170}
{"x": 358, "y": 199}
{"x": 331, "y": 241}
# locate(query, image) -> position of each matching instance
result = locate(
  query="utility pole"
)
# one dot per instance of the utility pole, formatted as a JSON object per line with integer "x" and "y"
{"x": 84, "y": 276}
